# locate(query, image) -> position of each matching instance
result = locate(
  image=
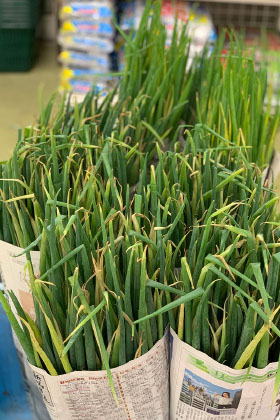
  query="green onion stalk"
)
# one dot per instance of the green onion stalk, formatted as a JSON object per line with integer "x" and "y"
{"x": 144, "y": 110}
{"x": 231, "y": 98}
{"x": 67, "y": 142}
{"x": 224, "y": 239}
{"x": 128, "y": 247}
{"x": 168, "y": 254}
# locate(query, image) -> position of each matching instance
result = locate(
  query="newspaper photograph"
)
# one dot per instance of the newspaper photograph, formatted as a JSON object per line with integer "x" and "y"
{"x": 203, "y": 389}
{"x": 14, "y": 277}
{"x": 141, "y": 385}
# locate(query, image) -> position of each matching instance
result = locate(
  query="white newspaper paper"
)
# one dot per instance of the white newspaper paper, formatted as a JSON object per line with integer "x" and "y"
{"x": 35, "y": 398}
{"x": 142, "y": 388}
{"x": 275, "y": 170}
{"x": 14, "y": 277}
{"x": 203, "y": 389}
{"x": 272, "y": 172}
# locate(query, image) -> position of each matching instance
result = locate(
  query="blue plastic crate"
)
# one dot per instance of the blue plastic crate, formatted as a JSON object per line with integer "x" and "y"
{"x": 14, "y": 404}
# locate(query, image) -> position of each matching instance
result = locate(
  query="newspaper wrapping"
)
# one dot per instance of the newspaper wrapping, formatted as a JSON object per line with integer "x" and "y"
{"x": 142, "y": 389}
{"x": 203, "y": 389}
{"x": 15, "y": 277}
{"x": 142, "y": 385}
{"x": 272, "y": 172}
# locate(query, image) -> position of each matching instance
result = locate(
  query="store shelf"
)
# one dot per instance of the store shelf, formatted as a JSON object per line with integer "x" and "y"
{"x": 248, "y": 2}
{"x": 254, "y": 14}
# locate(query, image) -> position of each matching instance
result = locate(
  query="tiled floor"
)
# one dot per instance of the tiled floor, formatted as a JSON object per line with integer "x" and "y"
{"x": 19, "y": 104}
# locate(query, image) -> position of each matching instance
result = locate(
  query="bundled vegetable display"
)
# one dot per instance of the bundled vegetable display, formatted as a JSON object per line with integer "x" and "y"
{"x": 230, "y": 99}
{"x": 162, "y": 234}
{"x": 227, "y": 241}
{"x": 140, "y": 112}
{"x": 149, "y": 209}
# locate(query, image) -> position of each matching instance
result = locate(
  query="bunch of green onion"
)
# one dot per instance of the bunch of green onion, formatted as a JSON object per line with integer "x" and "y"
{"x": 180, "y": 252}
{"x": 231, "y": 99}
{"x": 51, "y": 156}
{"x": 153, "y": 94}
{"x": 132, "y": 237}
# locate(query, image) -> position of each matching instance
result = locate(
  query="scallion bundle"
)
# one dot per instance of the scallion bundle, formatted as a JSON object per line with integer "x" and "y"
{"x": 104, "y": 267}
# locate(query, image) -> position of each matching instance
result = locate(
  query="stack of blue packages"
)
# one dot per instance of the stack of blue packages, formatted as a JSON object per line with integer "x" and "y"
{"x": 86, "y": 38}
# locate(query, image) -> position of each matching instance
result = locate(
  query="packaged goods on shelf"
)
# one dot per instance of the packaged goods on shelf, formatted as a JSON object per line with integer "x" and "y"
{"x": 84, "y": 59}
{"x": 92, "y": 9}
{"x": 81, "y": 73}
{"x": 85, "y": 43}
{"x": 200, "y": 26}
{"x": 81, "y": 81}
{"x": 131, "y": 16}
{"x": 86, "y": 38}
{"x": 88, "y": 27}
{"x": 82, "y": 86}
